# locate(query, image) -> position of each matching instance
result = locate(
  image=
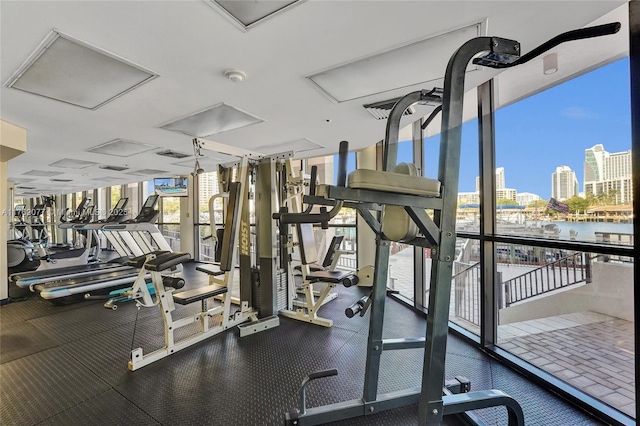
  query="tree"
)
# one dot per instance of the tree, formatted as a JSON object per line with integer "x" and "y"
{"x": 591, "y": 199}
{"x": 541, "y": 204}
{"x": 506, "y": 202}
{"x": 171, "y": 209}
{"x": 577, "y": 204}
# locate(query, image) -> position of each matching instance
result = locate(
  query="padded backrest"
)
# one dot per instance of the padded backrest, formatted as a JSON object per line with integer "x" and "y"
{"x": 396, "y": 223}
{"x": 307, "y": 243}
{"x": 230, "y": 226}
{"x": 333, "y": 247}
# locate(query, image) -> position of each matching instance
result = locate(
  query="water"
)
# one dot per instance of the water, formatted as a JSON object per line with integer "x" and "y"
{"x": 586, "y": 230}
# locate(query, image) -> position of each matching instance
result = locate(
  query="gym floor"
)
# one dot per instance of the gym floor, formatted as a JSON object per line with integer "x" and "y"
{"x": 63, "y": 365}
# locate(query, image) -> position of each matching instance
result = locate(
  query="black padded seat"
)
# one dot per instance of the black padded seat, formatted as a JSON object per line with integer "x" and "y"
{"x": 329, "y": 276}
{"x": 208, "y": 269}
{"x": 196, "y": 294}
{"x": 166, "y": 261}
{"x": 138, "y": 261}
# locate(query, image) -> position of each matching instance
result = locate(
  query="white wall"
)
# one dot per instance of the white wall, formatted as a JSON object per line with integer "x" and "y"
{"x": 609, "y": 293}
{"x": 13, "y": 142}
{"x": 4, "y": 230}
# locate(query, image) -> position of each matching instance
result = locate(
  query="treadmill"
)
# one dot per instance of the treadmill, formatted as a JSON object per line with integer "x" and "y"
{"x": 107, "y": 281}
{"x": 28, "y": 279}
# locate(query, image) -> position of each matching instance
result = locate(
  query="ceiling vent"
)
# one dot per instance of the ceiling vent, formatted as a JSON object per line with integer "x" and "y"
{"x": 70, "y": 163}
{"x": 212, "y": 120}
{"x": 381, "y": 110}
{"x": 61, "y": 180}
{"x": 247, "y": 14}
{"x": 173, "y": 154}
{"x": 26, "y": 187}
{"x": 71, "y": 71}
{"x": 114, "y": 168}
{"x": 121, "y": 148}
{"x": 412, "y": 64}
{"x": 41, "y": 173}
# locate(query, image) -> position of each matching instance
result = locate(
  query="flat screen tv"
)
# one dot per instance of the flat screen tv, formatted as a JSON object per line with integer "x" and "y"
{"x": 171, "y": 187}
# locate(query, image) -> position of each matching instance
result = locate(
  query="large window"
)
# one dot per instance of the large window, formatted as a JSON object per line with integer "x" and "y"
{"x": 170, "y": 221}
{"x": 563, "y": 174}
{"x": 206, "y": 225}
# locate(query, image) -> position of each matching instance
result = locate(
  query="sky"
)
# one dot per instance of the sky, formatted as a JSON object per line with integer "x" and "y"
{"x": 553, "y": 128}
{"x": 547, "y": 130}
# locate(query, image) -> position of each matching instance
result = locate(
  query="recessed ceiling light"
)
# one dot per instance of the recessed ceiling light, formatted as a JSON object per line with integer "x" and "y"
{"x": 212, "y": 120}
{"x": 42, "y": 173}
{"x": 247, "y": 14}
{"x": 70, "y": 163}
{"x": 113, "y": 168}
{"x": 172, "y": 154}
{"x": 72, "y": 71}
{"x": 550, "y": 63}
{"x": 121, "y": 148}
{"x": 400, "y": 67}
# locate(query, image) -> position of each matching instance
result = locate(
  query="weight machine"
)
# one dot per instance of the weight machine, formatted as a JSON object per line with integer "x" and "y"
{"x": 404, "y": 199}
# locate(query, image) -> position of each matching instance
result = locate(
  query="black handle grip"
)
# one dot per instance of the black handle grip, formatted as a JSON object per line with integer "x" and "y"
{"x": 305, "y": 217}
{"x": 321, "y": 374}
{"x": 579, "y": 34}
{"x": 314, "y": 179}
{"x": 343, "y": 156}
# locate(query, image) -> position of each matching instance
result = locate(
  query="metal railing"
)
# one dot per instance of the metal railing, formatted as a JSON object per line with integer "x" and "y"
{"x": 561, "y": 273}
{"x": 349, "y": 263}
{"x": 466, "y": 291}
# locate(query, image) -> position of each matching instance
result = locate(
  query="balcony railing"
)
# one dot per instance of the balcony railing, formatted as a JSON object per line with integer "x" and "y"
{"x": 466, "y": 291}
{"x": 561, "y": 273}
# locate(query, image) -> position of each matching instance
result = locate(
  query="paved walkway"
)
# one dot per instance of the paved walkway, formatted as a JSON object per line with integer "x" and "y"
{"x": 591, "y": 351}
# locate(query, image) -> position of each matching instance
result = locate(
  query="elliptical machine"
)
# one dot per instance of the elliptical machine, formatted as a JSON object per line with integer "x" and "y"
{"x": 22, "y": 255}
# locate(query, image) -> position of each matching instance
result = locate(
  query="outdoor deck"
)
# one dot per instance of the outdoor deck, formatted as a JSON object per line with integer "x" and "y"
{"x": 589, "y": 350}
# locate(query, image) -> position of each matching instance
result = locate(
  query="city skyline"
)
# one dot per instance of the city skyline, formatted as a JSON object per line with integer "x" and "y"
{"x": 552, "y": 128}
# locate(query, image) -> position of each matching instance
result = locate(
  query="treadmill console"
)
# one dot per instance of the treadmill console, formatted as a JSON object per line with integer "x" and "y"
{"x": 118, "y": 212}
{"x": 148, "y": 213}
{"x": 19, "y": 210}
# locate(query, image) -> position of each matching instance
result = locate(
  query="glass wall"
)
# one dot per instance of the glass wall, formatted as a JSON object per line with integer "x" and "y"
{"x": 133, "y": 193}
{"x": 207, "y": 188}
{"x": 116, "y": 194}
{"x": 169, "y": 221}
{"x": 563, "y": 174}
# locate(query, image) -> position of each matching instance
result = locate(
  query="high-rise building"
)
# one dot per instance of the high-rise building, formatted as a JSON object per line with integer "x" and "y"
{"x": 526, "y": 198}
{"x": 506, "y": 194}
{"x": 469, "y": 197}
{"x": 499, "y": 179}
{"x": 608, "y": 173}
{"x": 564, "y": 183}
{"x": 208, "y": 186}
